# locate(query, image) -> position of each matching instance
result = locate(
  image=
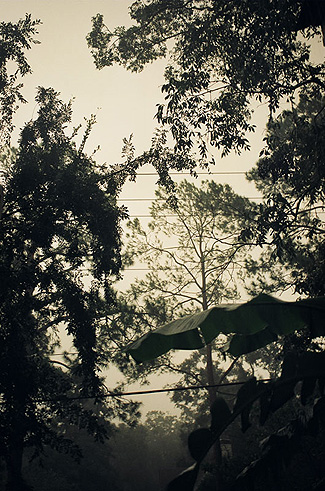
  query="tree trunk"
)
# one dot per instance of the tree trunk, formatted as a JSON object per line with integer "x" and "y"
{"x": 14, "y": 462}
{"x": 14, "y": 457}
{"x": 210, "y": 373}
{"x": 212, "y": 398}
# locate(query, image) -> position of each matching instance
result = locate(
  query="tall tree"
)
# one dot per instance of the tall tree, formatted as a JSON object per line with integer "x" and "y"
{"x": 201, "y": 268}
{"x": 222, "y": 56}
{"x": 193, "y": 251}
{"x": 59, "y": 253}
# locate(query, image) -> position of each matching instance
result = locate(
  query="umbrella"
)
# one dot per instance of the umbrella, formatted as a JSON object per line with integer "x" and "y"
{"x": 253, "y": 324}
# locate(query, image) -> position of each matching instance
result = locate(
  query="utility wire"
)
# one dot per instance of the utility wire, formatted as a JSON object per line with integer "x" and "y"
{"x": 161, "y": 199}
{"x": 169, "y": 269}
{"x": 179, "y": 389}
{"x": 144, "y": 392}
{"x": 217, "y": 173}
{"x": 173, "y": 215}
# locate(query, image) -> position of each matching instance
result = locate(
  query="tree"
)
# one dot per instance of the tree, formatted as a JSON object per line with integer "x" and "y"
{"x": 198, "y": 271}
{"x": 291, "y": 174}
{"x": 59, "y": 253}
{"x": 93, "y": 471}
{"x": 15, "y": 39}
{"x": 222, "y": 56}
{"x": 201, "y": 269}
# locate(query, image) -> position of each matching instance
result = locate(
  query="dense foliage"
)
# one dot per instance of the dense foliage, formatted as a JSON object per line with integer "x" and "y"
{"x": 222, "y": 56}
{"x": 145, "y": 457}
{"x": 291, "y": 175}
{"x": 59, "y": 223}
{"x": 279, "y": 449}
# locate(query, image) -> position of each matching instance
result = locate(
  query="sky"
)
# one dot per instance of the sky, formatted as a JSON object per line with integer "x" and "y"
{"x": 124, "y": 102}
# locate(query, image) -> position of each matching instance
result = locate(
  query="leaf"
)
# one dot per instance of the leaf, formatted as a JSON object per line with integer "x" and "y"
{"x": 220, "y": 415}
{"x": 264, "y": 406}
{"x": 283, "y": 391}
{"x": 307, "y": 389}
{"x": 184, "y": 481}
{"x": 258, "y": 322}
{"x": 318, "y": 417}
{"x": 289, "y": 366}
{"x": 246, "y": 479}
{"x": 244, "y": 401}
{"x": 199, "y": 442}
{"x": 311, "y": 364}
{"x": 241, "y": 344}
{"x": 321, "y": 384}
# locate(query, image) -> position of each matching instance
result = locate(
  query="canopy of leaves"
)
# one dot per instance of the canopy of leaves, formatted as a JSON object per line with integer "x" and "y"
{"x": 223, "y": 55}
{"x": 301, "y": 375}
{"x": 200, "y": 269}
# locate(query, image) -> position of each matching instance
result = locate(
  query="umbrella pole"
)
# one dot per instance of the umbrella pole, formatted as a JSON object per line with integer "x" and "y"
{"x": 212, "y": 398}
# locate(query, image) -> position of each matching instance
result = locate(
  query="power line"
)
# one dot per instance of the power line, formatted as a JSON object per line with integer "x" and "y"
{"x": 173, "y": 268}
{"x": 150, "y": 216}
{"x": 217, "y": 173}
{"x": 145, "y": 392}
{"x": 179, "y": 389}
{"x": 161, "y": 199}
{"x": 173, "y": 215}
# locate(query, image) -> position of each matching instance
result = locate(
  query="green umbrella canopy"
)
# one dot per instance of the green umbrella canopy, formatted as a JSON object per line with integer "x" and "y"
{"x": 253, "y": 324}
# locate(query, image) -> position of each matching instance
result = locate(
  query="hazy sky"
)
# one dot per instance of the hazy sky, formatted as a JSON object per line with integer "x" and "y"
{"x": 124, "y": 102}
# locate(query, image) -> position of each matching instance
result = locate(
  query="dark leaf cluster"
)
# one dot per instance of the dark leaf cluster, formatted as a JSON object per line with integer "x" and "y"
{"x": 305, "y": 373}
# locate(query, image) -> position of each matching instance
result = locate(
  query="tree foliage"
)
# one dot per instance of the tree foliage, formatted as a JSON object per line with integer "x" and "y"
{"x": 59, "y": 253}
{"x": 222, "y": 56}
{"x": 150, "y": 453}
{"x": 15, "y": 39}
{"x": 200, "y": 269}
{"x": 302, "y": 373}
{"x": 290, "y": 175}
{"x": 92, "y": 471}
